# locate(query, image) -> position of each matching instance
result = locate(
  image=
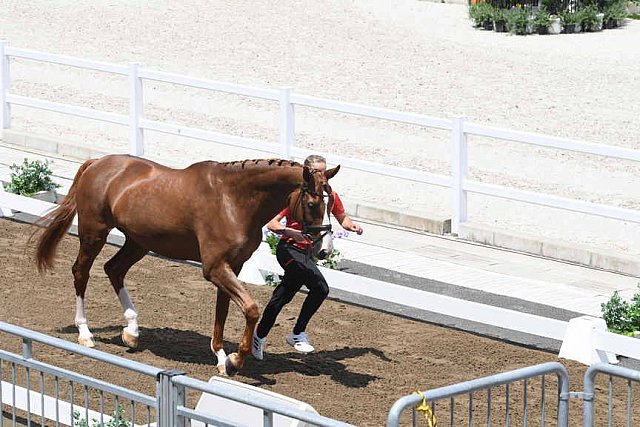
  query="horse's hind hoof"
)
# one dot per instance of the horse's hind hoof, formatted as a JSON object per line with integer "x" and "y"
{"x": 229, "y": 368}
{"x": 129, "y": 340}
{"x": 86, "y": 342}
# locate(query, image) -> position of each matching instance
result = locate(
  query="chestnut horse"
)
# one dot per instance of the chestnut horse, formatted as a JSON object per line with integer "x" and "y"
{"x": 209, "y": 212}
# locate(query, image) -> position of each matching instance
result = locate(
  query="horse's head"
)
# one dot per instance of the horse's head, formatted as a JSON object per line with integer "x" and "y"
{"x": 312, "y": 207}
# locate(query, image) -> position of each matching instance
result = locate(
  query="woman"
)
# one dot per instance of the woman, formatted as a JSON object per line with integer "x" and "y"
{"x": 299, "y": 269}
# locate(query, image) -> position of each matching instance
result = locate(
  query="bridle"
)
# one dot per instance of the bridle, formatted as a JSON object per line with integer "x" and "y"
{"x": 310, "y": 230}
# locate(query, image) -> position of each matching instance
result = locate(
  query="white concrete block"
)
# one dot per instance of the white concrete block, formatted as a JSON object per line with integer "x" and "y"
{"x": 579, "y": 343}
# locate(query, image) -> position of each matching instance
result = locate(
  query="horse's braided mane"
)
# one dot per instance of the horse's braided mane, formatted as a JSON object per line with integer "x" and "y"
{"x": 260, "y": 162}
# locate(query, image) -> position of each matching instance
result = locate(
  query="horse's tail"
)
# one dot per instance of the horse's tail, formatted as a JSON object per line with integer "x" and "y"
{"x": 57, "y": 222}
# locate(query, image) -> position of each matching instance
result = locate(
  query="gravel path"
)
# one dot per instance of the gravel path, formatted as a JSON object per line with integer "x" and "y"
{"x": 408, "y": 55}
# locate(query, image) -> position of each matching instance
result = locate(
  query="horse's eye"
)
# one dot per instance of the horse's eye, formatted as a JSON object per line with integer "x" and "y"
{"x": 310, "y": 205}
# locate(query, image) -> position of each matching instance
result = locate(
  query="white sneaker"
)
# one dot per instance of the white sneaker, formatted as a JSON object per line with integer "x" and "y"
{"x": 300, "y": 342}
{"x": 257, "y": 346}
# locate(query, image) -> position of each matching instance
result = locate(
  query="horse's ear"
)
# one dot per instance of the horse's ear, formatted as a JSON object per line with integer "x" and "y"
{"x": 332, "y": 172}
{"x": 306, "y": 174}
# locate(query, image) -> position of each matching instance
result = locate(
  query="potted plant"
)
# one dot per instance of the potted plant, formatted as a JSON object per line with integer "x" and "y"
{"x": 541, "y": 21}
{"x": 616, "y": 13}
{"x": 500, "y": 20}
{"x": 33, "y": 179}
{"x": 571, "y": 22}
{"x": 589, "y": 21}
{"x": 608, "y": 21}
{"x": 482, "y": 15}
{"x": 555, "y": 24}
{"x": 622, "y": 317}
{"x": 517, "y": 21}
{"x": 486, "y": 16}
{"x": 474, "y": 12}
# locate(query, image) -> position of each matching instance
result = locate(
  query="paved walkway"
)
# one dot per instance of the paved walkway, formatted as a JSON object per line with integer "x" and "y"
{"x": 444, "y": 259}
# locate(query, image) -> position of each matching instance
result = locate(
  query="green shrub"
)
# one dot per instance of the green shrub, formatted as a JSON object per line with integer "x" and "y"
{"x": 118, "y": 420}
{"x": 588, "y": 18}
{"x": 272, "y": 239}
{"x": 30, "y": 178}
{"x": 500, "y": 16}
{"x": 331, "y": 261}
{"x": 481, "y": 13}
{"x": 616, "y": 11}
{"x": 517, "y": 21}
{"x": 541, "y": 19}
{"x": 570, "y": 18}
{"x": 622, "y": 317}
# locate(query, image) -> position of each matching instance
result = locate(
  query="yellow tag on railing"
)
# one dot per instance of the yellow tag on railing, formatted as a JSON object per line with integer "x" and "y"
{"x": 426, "y": 409}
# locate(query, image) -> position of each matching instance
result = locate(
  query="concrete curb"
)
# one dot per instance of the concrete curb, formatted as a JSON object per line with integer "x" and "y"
{"x": 35, "y": 142}
{"x": 577, "y": 254}
{"x": 430, "y": 223}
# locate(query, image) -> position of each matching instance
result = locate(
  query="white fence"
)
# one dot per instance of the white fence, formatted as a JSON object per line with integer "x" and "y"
{"x": 287, "y": 99}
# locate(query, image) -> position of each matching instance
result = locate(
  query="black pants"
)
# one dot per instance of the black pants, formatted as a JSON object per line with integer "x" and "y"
{"x": 299, "y": 269}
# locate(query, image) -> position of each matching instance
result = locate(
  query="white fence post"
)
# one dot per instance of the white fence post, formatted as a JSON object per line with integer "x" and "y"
{"x": 5, "y": 107}
{"x": 459, "y": 163}
{"x": 136, "y": 136}
{"x": 287, "y": 123}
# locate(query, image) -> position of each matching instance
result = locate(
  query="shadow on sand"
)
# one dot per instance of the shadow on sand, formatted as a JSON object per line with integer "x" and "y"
{"x": 194, "y": 348}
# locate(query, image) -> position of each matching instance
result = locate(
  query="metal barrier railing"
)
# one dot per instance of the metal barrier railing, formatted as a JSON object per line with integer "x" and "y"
{"x": 70, "y": 398}
{"x": 66, "y": 397}
{"x": 38, "y": 391}
{"x": 458, "y": 415}
{"x": 590, "y": 393}
{"x": 234, "y": 394}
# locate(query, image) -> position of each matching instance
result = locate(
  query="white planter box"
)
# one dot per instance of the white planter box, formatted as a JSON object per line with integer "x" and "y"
{"x": 556, "y": 26}
{"x": 600, "y": 17}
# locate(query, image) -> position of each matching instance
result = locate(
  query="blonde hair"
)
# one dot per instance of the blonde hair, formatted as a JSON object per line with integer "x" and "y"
{"x": 314, "y": 158}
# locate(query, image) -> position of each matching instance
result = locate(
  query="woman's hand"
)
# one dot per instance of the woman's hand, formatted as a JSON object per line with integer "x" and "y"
{"x": 295, "y": 235}
{"x": 355, "y": 228}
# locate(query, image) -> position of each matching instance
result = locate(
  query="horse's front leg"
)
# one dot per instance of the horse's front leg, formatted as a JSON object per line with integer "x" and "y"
{"x": 223, "y": 276}
{"x": 217, "y": 343}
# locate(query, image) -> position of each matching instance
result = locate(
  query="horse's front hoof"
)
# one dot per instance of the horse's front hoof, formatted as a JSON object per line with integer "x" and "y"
{"x": 87, "y": 342}
{"x": 230, "y": 367}
{"x": 129, "y": 340}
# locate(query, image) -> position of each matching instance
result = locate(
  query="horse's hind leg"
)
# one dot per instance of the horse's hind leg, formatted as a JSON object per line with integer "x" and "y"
{"x": 91, "y": 243}
{"x": 116, "y": 268}
{"x": 222, "y": 310}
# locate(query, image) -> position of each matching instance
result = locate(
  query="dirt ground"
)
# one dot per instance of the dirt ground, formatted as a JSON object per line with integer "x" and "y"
{"x": 365, "y": 359}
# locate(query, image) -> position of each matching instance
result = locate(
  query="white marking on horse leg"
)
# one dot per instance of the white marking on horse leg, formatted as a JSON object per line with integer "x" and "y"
{"x": 222, "y": 357}
{"x": 130, "y": 313}
{"x": 81, "y": 319}
{"x": 85, "y": 337}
